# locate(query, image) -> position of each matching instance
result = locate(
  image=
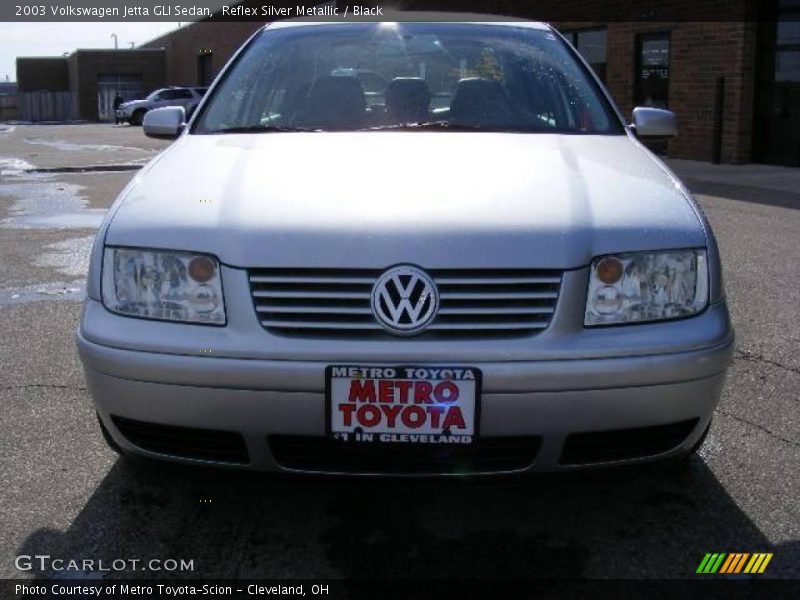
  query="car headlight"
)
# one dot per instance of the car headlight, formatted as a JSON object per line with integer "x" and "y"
{"x": 647, "y": 286}
{"x": 156, "y": 284}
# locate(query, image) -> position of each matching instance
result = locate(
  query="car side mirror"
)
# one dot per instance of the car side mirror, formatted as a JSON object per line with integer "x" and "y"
{"x": 164, "y": 123}
{"x": 654, "y": 122}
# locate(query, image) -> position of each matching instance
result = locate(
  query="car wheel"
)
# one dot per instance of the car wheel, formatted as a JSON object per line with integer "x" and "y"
{"x": 138, "y": 117}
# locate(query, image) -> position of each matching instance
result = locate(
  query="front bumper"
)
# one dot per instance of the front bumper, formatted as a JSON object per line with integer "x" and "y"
{"x": 549, "y": 399}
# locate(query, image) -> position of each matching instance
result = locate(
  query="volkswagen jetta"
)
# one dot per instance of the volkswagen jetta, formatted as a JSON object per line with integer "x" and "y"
{"x": 415, "y": 247}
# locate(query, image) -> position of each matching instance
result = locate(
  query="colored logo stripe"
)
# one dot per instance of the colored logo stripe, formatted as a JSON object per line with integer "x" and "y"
{"x": 711, "y": 563}
{"x": 734, "y": 563}
{"x": 758, "y": 563}
{"x": 732, "y": 558}
{"x": 720, "y": 562}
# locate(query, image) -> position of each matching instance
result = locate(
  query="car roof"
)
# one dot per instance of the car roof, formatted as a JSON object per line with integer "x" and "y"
{"x": 417, "y": 17}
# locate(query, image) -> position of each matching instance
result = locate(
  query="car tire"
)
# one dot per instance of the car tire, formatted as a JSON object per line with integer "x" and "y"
{"x": 138, "y": 117}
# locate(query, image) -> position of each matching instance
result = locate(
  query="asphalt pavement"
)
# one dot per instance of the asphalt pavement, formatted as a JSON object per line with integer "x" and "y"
{"x": 65, "y": 494}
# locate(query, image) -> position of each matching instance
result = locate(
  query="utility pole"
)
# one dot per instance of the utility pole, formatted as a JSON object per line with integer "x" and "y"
{"x": 116, "y": 42}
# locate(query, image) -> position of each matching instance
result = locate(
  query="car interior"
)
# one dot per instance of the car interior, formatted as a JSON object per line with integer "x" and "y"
{"x": 339, "y": 102}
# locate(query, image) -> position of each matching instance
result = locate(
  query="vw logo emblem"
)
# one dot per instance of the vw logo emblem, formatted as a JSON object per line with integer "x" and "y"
{"x": 405, "y": 300}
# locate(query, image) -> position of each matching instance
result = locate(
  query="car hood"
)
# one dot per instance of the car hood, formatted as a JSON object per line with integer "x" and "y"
{"x": 434, "y": 199}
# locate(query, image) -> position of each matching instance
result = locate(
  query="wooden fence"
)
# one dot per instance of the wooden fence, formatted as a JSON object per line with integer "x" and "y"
{"x": 47, "y": 106}
{"x": 9, "y": 107}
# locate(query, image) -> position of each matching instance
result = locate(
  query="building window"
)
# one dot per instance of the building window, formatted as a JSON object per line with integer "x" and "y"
{"x": 652, "y": 70}
{"x": 591, "y": 43}
{"x": 205, "y": 73}
{"x": 787, "y": 51}
{"x": 776, "y": 115}
{"x": 113, "y": 89}
{"x": 174, "y": 95}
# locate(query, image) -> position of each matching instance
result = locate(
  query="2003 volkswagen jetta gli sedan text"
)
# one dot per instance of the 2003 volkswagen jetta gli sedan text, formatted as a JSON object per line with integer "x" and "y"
{"x": 414, "y": 247}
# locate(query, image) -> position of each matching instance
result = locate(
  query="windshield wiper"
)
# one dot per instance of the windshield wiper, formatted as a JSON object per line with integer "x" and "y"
{"x": 260, "y": 129}
{"x": 442, "y": 125}
{"x": 418, "y": 126}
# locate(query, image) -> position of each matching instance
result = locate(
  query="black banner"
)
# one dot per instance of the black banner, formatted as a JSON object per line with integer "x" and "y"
{"x": 381, "y": 10}
{"x": 707, "y": 588}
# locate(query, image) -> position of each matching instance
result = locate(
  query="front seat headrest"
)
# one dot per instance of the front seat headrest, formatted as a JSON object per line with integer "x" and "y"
{"x": 408, "y": 99}
{"x": 335, "y": 102}
{"x": 479, "y": 101}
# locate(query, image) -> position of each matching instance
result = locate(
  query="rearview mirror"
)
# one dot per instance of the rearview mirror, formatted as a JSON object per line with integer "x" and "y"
{"x": 654, "y": 122}
{"x": 164, "y": 123}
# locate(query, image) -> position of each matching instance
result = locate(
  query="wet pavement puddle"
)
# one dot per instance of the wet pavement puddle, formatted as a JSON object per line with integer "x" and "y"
{"x": 39, "y": 201}
{"x": 46, "y": 291}
{"x": 73, "y": 147}
{"x": 42, "y": 202}
{"x": 45, "y": 204}
{"x": 69, "y": 258}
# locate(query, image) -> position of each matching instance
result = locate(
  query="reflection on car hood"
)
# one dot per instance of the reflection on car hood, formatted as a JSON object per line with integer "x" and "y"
{"x": 376, "y": 199}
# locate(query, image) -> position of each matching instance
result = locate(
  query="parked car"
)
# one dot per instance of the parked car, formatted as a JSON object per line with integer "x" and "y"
{"x": 504, "y": 281}
{"x": 188, "y": 98}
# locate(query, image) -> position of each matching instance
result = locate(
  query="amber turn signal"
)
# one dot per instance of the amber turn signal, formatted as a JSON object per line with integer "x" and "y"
{"x": 201, "y": 269}
{"x": 609, "y": 270}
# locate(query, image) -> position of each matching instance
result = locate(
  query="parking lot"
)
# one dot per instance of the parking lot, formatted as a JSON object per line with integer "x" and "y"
{"x": 67, "y": 495}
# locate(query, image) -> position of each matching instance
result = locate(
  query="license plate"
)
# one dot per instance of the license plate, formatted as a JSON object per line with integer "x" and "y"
{"x": 408, "y": 404}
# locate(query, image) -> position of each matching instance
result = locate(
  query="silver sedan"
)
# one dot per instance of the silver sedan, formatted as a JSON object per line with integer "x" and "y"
{"x": 466, "y": 262}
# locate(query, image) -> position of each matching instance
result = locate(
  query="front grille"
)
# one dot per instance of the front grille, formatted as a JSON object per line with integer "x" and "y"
{"x": 337, "y": 302}
{"x": 326, "y": 455}
{"x": 185, "y": 442}
{"x": 624, "y": 444}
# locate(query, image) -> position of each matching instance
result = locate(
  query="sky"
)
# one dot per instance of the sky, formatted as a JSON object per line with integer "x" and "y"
{"x": 54, "y": 39}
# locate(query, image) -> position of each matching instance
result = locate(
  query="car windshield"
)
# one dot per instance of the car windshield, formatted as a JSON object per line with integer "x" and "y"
{"x": 439, "y": 76}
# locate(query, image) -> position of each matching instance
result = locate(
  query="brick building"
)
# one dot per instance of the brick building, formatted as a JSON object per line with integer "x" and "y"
{"x": 197, "y": 52}
{"x": 83, "y": 84}
{"x": 730, "y": 69}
